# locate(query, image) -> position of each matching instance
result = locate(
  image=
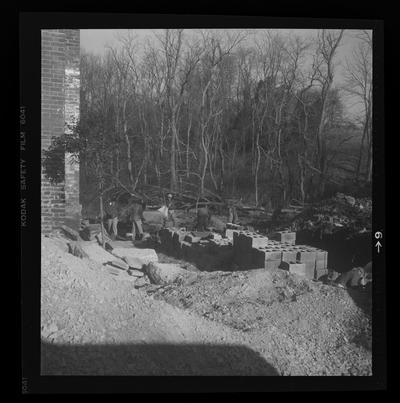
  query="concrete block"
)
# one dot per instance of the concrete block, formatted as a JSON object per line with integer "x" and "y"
{"x": 310, "y": 269}
{"x": 236, "y": 239}
{"x": 289, "y": 255}
{"x": 306, "y": 255}
{"x": 166, "y": 235}
{"x": 260, "y": 256}
{"x": 192, "y": 239}
{"x": 284, "y": 237}
{"x": 229, "y": 233}
{"x": 186, "y": 248}
{"x": 272, "y": 264}
{"x": 243, "y": 260}
{"x": 178, "y": 236}
{"x": 248, "y": 240}
{"x": 201, "y": 234}
{"x": 214, "y": 236}
{"x": 295, "y": 268}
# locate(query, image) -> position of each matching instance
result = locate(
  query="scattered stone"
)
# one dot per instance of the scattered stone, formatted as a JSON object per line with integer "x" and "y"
{"x": 97, "y": 253}
{"x": 192, "y": 238}
{"x": 135, "y": 273}
{"x": 136, "y": 258}
{"x": 112, "y": 270}
{"x": 214, "y": 236}
{"x": 71, "y": 233}
{"x": 120, "y": 264}
{"x": 75, "y": 249}
{"x": 166, "y": 273}
{"x": 141, "y": 281}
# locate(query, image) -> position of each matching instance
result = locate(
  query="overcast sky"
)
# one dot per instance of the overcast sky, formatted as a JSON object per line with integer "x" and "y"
{"x": 97, "y": 40}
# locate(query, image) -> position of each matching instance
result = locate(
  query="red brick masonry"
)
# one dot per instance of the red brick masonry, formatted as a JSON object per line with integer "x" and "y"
{"x": 60, "y": 108}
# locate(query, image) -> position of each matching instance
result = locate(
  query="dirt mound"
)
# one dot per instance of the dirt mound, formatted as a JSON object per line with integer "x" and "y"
{"x": 318, "y": 326}
{"x": 224, "y": 323}
{"x": 232, "y": 297}
{"x": 94, "y": 324}
{"x": 336, "y": 214}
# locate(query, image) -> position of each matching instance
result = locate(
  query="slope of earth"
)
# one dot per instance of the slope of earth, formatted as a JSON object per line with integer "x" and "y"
{"x": 240, "y": 323}
{"x": 302, "y": 327}
{"x": 95, "y": 324}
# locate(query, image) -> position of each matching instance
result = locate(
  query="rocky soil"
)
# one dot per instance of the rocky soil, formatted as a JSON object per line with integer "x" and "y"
{"x": 240, "y": 323}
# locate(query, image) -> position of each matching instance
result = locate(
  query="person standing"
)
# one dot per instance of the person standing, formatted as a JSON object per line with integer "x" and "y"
{"x": 112, "y": 218}
{"x": 137, "y": 218}
{"x": 170, "y": 211}
{"x": 203, "y": 218}
{"x": 233, "y": 216}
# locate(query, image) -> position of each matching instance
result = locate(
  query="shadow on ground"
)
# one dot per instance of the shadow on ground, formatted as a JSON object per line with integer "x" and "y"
{"x": 362, "y": 298}
{"x": 151, "y": 359}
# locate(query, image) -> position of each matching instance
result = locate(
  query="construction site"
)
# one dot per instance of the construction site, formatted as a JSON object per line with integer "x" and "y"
{"x": 173, "y": 250}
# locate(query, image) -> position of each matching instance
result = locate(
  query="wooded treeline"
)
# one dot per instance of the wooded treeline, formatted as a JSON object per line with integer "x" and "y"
{"x": 217, "y": 110}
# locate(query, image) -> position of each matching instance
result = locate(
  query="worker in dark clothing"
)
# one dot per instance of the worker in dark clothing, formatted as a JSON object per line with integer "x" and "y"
{"x": 233, "y": 216}
{"x": 112, "y": 211}
{"x": 136, "y": 216}
{"x": 170, "y": 211}
{"x": 203, "y": 218}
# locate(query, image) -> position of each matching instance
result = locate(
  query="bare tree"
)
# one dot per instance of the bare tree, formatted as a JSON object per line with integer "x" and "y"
{"x": 327, "y": 45}
{"x": 359, "y": 85}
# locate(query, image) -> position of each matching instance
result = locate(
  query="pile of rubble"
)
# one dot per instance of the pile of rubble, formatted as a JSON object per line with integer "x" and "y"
{"x": 339, "y": 213}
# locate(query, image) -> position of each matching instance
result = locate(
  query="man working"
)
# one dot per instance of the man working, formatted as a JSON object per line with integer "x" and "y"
{"x": 233, "y": 216}
{"x": 136, "y": 216}
{"x": 203, "y": 218}
{"x": 112, "y": 217}
{"x": 170, "y": 214}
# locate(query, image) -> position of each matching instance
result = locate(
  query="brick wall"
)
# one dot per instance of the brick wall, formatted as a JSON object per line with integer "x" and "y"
{"x": 60, "y": 108}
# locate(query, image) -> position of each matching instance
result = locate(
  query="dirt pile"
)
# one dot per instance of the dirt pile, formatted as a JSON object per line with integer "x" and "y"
{"x": 317, "y": 326}
{"x": 240, "y": 323}
{"x": 92, "y": 323}
{"x": 336, "y": 214}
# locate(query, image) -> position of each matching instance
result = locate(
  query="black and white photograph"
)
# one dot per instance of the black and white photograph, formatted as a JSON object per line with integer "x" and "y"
{"x": 206, "y": 201}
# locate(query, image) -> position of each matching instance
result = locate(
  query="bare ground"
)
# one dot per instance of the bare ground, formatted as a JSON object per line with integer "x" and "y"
{"x": 240, "y": 323}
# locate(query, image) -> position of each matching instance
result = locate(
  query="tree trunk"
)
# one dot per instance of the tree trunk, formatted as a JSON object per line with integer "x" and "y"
{"x": 205, "y": 163}
{"x": 173, "y": 155}
{"x": 321, "y": 141}
{"x": 102, "y": 221}
{"x": 222, "y": 168}
{"x": 128, "y": 144}
{"x": 188, "y": 147}
{"x": 369, "y": 157}
{"x": 257, "y": 167}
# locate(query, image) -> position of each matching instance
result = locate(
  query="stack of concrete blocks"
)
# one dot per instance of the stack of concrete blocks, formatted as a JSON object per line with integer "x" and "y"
{"x": 315, "y": 261}
{"x": 247, "y": 250}
{"x": 177, "y": 239}
{"x": 269, "y": 256}
{"x": 252, "y": 250}
{"x": 245, "y": 243}
{"x": 284, "y": 237}
{"x": 166, "y": 238}
{"x": 221, "y": 253}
